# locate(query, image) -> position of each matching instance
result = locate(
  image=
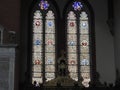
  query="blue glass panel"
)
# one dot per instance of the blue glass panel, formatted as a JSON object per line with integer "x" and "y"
{"x": 72, "y": 43}
{"x": 43, "y": 5}
{"x": 37, "y": 42}
{"x": 50, "y": 61}
{"x": 77, "y": 6}
{"x": 50, "y": 24}
{"x": 85, "y": 62}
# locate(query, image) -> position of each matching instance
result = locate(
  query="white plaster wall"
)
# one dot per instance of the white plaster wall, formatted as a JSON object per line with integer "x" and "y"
{"x": 104, "y": 42}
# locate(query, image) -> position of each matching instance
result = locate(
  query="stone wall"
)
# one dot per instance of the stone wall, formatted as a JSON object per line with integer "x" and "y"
{"x": 7, "y": 65}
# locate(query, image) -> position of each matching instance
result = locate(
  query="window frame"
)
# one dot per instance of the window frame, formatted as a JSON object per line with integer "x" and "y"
{"x": 88, "y": 9}
{"x": 34, "y": 6}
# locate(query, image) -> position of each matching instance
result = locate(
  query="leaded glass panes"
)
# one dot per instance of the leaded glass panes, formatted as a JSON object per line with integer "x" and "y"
{"x": 50, "y": 46}
{"x": 37, "y": 58}
{"x": 37, "y": 42}
{"x": 50, "y": 25}
{"x": 72, "y": 40}
{"x": 86, "y": 79}
{"x": 72, "y": 68}
{"x": 50, "y": 58}
{"x": 37, "y": 68}
{"x": 77, "y": 6}
{"x": 84, "y": 69}
{"x": 44, "y": 5}
{"x": 72, "y": 49}
{"x": 37, "y": 75}
{"x": 37, "y": 47}
{"x": 72, "y": 45}
{"x": 72, "y": 26}
{"x": 72, "y": 62}
{"x": 84, "y": 49}
{"x": 78, "y": 44}
{"x": 72, "y": 56}
{"x": 49, "y": 79}
{"x": 84, "y": 40}
{"x": 38, "y": 80}
{"x": 50, "y": 75}
{"x": 43, "y": 45}
{"x": 84, "y": 62}
{"x": 50, "y": 39}
{"x": 84, "y": 24}
{"x": 84, "y": 56}
{"x": 37, "y": 22}
{"x": 49, "y": 68}
{"x": 74, "y": 76}
{"x": 37, "y": 38}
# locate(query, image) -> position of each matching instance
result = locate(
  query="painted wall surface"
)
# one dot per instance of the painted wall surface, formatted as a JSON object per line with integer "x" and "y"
{"x": 117, "y": 33}
{"x": 104, "y": 42}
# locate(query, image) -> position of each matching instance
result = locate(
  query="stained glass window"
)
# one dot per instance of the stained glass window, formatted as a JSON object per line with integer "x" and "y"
{"x": 84, "y": 49}
{"x": 37, "y": 53}
{"x": 72, "y": 45}
{"x": 43, "y": 44}
{"x": 44, "y": 5}
{"x": 78, "y": 44}
{"x": 50, "y": 46}
{"x": 77, "y": 6}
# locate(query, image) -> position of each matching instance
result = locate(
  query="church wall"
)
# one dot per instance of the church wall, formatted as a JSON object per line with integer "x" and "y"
{"x": 104, "y": 42}
{"x": 117, "y": 33}
{"x": 10, "y": 14}
{"x": 10, "y": 20}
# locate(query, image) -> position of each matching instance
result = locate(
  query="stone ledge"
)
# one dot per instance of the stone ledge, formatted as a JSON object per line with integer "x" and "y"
{"x": 8, "y": 45}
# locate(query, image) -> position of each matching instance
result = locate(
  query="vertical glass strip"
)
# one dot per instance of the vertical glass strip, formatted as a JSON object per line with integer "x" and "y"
{"x": 50, "y": 46}
{"x": 72, "y": 45}
{"x": 84, "y": 49}
{"x": 37, "y": 75}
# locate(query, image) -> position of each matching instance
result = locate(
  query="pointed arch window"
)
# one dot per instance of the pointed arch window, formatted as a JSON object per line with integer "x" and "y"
{"x": 79, "y": 42}
{"x": 43, "y": 42}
